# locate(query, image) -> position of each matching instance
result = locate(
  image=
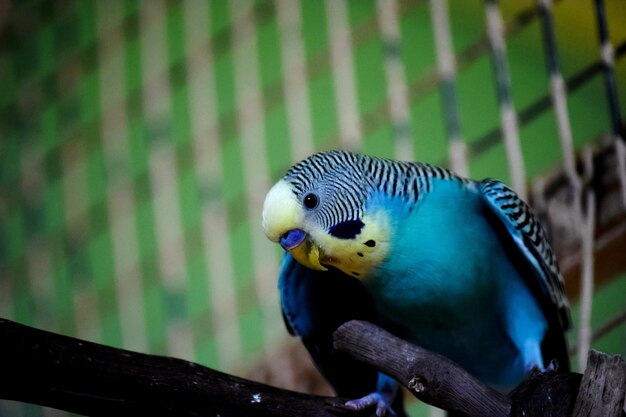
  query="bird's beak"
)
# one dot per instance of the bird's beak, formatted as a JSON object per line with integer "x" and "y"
{"x": 302, "y": 248}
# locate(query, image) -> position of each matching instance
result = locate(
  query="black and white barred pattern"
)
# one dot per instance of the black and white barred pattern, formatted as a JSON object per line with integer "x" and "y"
{"x": 520, "y": 216}
{"x": 343, "y": 179}
{"x": 334, "y": 178}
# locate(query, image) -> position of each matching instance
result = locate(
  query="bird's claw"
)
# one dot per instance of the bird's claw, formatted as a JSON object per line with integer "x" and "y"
{"x": 375, "y": 399}
{"x": 553, "y": 366}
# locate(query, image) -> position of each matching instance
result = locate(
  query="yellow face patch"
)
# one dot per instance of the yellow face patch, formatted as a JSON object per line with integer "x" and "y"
{"x": 358, "y": 256}
{"x": 283, "y": 212}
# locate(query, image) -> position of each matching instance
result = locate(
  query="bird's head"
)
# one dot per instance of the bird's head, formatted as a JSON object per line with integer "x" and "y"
{"x": 317, "y": 212}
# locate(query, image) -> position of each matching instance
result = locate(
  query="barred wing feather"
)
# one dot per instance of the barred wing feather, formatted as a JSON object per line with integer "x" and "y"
{"x": 530, "y": 240}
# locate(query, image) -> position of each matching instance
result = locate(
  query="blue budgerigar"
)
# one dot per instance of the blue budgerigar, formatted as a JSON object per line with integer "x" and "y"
{"x": 459, "y": 267}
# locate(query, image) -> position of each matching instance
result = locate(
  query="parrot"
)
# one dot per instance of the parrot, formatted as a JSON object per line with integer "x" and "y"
{"x": 460, "y": 267}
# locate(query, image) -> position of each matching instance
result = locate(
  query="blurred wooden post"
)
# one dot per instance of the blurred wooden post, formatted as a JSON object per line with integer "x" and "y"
{"x": 556, "y": 207}
{"x": 603, "y": 387}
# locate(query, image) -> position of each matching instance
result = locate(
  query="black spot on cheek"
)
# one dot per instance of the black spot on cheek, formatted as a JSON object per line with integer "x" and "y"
{"x": 371, "y": 243}
{"x": 360, "y": 254}
{"x": 356, "y": 274}
{"x": 347, "y": 230}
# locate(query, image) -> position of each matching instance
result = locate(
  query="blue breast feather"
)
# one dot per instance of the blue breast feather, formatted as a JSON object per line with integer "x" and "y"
{"x": 449, "y": 285}
{"x": 314, "y": 304}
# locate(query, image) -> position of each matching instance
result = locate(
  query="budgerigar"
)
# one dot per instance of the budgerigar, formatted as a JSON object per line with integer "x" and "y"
{"x": 457, "y": 266}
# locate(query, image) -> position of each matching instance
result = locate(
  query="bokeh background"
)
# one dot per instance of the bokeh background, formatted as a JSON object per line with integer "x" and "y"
{"x": 138, "y": 140}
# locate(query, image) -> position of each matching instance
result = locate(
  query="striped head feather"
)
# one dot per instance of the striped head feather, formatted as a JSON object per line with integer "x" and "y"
{"x": 318, "y": 210}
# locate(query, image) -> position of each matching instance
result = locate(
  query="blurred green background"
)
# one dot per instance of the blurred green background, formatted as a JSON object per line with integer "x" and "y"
{"x": 138, "y": 139}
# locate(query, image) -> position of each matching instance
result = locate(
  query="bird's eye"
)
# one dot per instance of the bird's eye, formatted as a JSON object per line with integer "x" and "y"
{"x": 311, "y": 201}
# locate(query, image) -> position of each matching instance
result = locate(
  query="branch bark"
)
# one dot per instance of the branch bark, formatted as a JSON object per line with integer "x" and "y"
{"x": 603, "y": 386}
{"x": 45, "y": 368}
{"x": 48, "y": 369}
{"x": 432, "y": 378}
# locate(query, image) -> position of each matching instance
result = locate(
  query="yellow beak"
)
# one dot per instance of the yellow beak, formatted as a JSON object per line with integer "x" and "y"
{"x": 307, "y": 254}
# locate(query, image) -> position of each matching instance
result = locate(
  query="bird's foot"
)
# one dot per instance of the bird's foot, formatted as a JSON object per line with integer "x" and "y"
{"x": 553, "y": 366}
{"x": 375, "y": 399}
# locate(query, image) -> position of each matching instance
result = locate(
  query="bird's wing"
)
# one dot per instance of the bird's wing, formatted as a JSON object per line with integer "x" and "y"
{"x": 527, "y": 243}
{"x": 314, "y": 305}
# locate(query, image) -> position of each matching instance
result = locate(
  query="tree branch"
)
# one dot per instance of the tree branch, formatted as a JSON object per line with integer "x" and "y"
{"x": 432, "y": 378}
{"x": 45, "y": 368}
{"x": 603, "y": 386}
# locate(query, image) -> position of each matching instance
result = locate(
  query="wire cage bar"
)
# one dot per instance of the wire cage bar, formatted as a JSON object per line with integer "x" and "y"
{"x": 608, "y": 59}
{"x": 508, "y": 116}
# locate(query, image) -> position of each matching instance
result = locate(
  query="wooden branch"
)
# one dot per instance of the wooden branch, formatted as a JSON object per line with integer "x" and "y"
{"x": 546, "y": 394}
{"x": 44, "y": 368}
{"x": 603, "y": 387}
{"x": 437, "y": 380}
{"x": 432, "y": 378}
{"x": 48, "y": 369}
